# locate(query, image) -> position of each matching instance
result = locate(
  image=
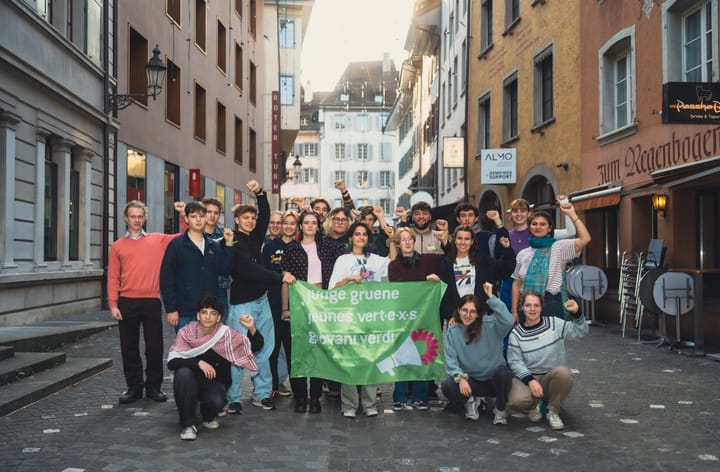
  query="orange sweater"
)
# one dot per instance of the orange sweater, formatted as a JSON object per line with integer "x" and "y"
{"x": 134, "y": 266}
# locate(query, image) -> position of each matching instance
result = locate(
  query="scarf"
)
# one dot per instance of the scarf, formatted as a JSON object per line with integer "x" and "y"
{"x": 231, "y": 345}
{"x": 409, "y": 260}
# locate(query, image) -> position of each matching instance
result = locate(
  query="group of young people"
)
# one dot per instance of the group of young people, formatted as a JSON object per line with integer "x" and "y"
{"x": 226, "y": 294}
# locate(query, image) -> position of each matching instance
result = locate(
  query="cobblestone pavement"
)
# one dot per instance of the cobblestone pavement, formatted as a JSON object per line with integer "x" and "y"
{"x": 634, "y": 407}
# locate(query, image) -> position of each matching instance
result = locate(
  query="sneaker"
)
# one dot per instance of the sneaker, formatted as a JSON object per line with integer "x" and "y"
{"x": 482, "y": 404}
{"x": 283, "y": 391}
{"x": 189, "y": 433}
{"x": 234, "y": 408}
{"x": 212, "y": 424}
{"x": 422, "y": 406}
{"x": 400, "y": 406}
{"x": 223, "y": 411}
{"x": 349, "y": 413}
{"x": 554, "y": 421}
{"x": 370, "y": 412}
{"x": 534, "y": 414}
{"x": 265, "y": 404}
{"x": 500, "y": 416}
{"x": 471, "y": 409}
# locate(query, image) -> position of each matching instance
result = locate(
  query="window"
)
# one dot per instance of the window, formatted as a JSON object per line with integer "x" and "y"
{"x": 199, "y": 110}
{"x": 543, "y": 110}
{"x": 252, "y": 28}
{"x": 171, "y": 195}
{"x": 464, "y": 75}
{"x": 172, "y": 94}
{"x": 137, "y": 79}
{"x": 50, "y": 223}
{"x": 512, "y": 13}
{"x": 136, "y": 165}
{"x": 385, "y": 179}
{"x": 362, "y": 179}
{"x": 339, "y": 175}
{"x": 252, "y": 152}
{"x": 617, "y": 85}
{"x": 172, "y": 8}
{"x": 362, "y": 152}
{"x": 362, "y": 122}
{"x": 238, "y": 156}
{"x": 483, "y": 123}
{"x": 386, "y": 205}
{"x": 221, "y": 128}
{"x": 253, "y": 83}
{"x": 238, "y": 7}
{"x": 310, "y": 176}
{"x": 287, "y": 90}
{"x": 200, "y": 22}
{"x": 510, "y": 107}
{"x": 221, "y": 47}
{"x": 339, "y": 151}
{"x": 690, "y": 40}
{"x": 455, "y": 74}
{"x": 238, "y": 66}
{"x": 486, "y": 20}
{"x": 310, "y": 149}
{"x": 287, "y": 33}
{"x": 339, "y": 121}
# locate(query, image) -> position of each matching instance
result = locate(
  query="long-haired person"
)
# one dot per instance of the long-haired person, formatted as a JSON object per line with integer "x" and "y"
{"x": 311, "y": 259}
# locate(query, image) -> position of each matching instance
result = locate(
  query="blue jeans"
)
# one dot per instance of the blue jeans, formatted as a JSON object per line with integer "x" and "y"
{"x": 262, "y": 381}
{"x": 419, "y": 391}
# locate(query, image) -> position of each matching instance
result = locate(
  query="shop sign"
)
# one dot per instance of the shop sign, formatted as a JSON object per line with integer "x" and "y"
{"x": 499, "y": 166}
{"x": 691, "y": 102}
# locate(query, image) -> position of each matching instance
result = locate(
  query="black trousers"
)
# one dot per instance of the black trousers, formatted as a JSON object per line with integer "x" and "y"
{"x": 282, "y": 339}
{"x": 145, "y": 312}
{"x": 497, "y": 386}
{"x": 191, "y": 387}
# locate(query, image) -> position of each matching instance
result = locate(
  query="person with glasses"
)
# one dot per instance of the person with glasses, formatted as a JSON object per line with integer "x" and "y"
{"x": 474, "y": 359}
{"x": 356, "y": 267}
{"x": 201, "y": 356}
{"x": 311, "y": 259}
{"x": 274, "y": 226}
{"x": 336, "y": 226}
{"x": 411, "y": 266}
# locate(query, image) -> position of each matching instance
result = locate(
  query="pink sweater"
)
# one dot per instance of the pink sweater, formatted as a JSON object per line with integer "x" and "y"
{"x": 134, "y": 266}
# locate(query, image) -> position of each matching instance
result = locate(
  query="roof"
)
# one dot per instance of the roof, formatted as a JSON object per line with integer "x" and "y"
{"x": 367, "y": 84}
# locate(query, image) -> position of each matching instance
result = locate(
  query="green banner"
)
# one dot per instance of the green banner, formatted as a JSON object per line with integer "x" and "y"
{"x": 369, "y": 333}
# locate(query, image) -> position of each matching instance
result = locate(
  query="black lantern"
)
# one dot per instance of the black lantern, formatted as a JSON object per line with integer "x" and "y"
{"x": 155, "y": 72}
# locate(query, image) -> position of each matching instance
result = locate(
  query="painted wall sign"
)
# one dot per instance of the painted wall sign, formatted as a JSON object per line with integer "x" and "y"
{"x": 498, "y": 166}
{"x": 275, "y": 142}
{"x": 691, "y": 102}
{"x": 453, "y": 152}
{"x": 640, "y": 159}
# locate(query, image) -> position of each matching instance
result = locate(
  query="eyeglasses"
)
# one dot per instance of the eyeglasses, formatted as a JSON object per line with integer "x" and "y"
{"x": 209, "y": 313}
{"x": 339, "y": 220}
{"x": 407, "y": 240}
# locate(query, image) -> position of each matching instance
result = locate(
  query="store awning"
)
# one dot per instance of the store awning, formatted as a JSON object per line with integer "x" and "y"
{"x": 678, "y": 175}
{"x": 597, "y": 197}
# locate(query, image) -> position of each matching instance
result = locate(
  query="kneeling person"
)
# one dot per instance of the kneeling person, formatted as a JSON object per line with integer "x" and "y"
{"x": 201, "y": 356}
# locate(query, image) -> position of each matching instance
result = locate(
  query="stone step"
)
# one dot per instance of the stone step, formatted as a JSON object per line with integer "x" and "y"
{"x": 49, "y": 335}
{"x": 6, "y": 352}
{"x": 31, "y": 389}
{"x": 25, "y": 364}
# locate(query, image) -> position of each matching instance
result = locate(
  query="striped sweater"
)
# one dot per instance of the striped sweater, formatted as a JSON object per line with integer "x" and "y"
{"x": 540, "y": 348}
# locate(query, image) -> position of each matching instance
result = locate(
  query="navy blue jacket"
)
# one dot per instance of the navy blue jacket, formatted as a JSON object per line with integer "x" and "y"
{"x": 187, "y": 275}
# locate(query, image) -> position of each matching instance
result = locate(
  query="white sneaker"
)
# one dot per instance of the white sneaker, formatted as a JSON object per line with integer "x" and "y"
{"x": 189, "y": 433}
{"x": 371, "y": 412}
{"x": 500, "y": 416}
{"x": 534, "y": 413}
{"x": 554, "y": 421}
{"x": 349, "y": 413}
{"x": 471, "y": 409}
{"x": 212, "y": 424}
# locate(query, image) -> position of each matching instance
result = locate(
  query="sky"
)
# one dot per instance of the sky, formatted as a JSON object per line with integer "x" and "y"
{"x": 343, "y": 31}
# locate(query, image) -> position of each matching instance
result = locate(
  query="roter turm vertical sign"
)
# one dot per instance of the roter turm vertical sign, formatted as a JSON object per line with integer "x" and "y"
{"x": 275, "y": 143}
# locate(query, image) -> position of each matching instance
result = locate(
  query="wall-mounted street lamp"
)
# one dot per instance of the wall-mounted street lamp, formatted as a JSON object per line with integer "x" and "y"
{"x": 155, "y": 71}
{"x": 659, "y": 201}
{"x": 297, "y": 167}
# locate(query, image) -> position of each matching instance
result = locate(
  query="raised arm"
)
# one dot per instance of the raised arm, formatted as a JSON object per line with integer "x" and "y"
{"x": 583, "y": 234}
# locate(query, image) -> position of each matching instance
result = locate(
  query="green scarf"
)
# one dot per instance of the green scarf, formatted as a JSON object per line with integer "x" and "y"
{"x": 536, "y": 277}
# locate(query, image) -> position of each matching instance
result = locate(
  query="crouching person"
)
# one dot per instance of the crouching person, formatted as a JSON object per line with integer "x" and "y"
{"x": 473, "y": 356}
{"x": 536, "y": 355}
{"x": 201, "y": 356}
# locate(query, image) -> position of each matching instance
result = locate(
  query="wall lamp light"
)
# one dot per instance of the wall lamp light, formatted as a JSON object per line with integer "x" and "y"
{"x": 659, "y": 201}
{"x": 155, "y": 71}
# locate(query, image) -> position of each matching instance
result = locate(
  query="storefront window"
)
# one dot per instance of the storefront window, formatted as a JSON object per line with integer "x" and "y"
{"x": 171, "y": 195}
{"x": 135, "y": 175}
